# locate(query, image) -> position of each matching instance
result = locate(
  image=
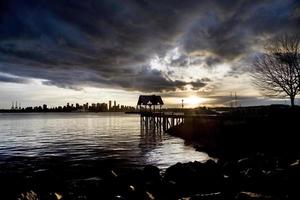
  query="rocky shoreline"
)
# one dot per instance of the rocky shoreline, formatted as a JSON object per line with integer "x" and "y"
{"x": 254, "y": 177}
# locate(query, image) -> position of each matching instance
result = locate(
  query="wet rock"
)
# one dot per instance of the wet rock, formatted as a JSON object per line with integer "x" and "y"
{"x": 295, "y": 163}
{"x": 257, "y": 161}
{"x": 131, "y": 188}
{"x": 149, "y": 196}
{"x": 152, "y": 181}
{"x": 277, "y": 181}
{"x": 30, "y": 195}
{"x": 58, "y": 195}
{"x": 209, "y": 196}
{"x": 152, "y": 173}
{"x": 119, "y": 197}
{"x": 293, "y": 179}
{"x": 114, "y": 174}
{"x": 245, "y": 163}
{"x": 254, "y": 196}
{"x": 195, "y": 177}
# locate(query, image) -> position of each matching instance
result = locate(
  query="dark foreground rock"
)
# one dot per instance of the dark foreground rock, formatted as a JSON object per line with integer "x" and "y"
{"x": 255, "y": 177}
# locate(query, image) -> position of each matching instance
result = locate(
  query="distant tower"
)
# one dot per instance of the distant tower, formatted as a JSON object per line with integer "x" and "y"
{"x": 231, "y": 100}
{"x": 19, "y": 106}
{"x": 12, "y": 105}
{"x": 109, "y": 105}
{"x": 115, "y": 104}
{"x": 182, "y": 103}
{"x": 16, "y": 105}
{"x": 235, "y": 100}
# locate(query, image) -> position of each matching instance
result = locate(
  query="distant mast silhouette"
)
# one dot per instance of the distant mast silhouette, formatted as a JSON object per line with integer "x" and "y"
{"x": 234, "y": 100}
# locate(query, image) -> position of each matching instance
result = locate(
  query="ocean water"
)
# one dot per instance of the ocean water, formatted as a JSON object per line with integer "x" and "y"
{"x": 71, "y": 147}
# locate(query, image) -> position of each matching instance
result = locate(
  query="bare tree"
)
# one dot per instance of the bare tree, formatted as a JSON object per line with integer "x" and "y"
{"x": 277, "y": 72}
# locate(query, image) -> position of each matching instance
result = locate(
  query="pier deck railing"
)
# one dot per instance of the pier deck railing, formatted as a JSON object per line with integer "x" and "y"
{"x": 163, "y": 121}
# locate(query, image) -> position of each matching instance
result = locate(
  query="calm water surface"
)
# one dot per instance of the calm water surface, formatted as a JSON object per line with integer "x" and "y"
{"x": 90, "y": 137}
{"x": 79, "y": 145}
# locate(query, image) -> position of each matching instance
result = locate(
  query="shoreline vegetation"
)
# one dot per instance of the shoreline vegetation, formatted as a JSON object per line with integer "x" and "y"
{"x": 243, "y": 131}
{"x": 257, "y": 157}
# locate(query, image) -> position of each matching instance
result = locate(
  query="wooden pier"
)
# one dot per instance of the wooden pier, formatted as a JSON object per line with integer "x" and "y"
{"x": 160, "y": 121}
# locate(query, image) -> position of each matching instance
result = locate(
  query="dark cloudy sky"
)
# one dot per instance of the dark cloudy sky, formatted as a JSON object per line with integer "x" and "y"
{"x": 54, "y": 51}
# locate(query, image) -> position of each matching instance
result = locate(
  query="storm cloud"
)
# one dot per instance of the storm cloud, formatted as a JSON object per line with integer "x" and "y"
{"x": 110, "y": 43}
{"x": 12, "y": 79}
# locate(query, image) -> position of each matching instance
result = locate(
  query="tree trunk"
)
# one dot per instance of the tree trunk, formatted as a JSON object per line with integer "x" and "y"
{"x": 292, "y": 97}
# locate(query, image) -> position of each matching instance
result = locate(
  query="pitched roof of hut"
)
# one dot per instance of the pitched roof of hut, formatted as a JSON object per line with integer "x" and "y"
{"x": 150, "y": 100}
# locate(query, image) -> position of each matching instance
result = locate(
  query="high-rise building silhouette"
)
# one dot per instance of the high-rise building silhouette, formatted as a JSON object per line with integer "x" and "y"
{"x": 109, "y": 105}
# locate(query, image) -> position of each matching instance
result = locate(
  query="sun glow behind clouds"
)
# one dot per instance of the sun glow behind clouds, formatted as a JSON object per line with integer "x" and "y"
{"x": 181, "y": 66}
{"x": 194, "y": 101}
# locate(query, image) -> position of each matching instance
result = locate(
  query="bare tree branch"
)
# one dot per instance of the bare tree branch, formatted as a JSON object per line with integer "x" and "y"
{"x": 277, "y": 72}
